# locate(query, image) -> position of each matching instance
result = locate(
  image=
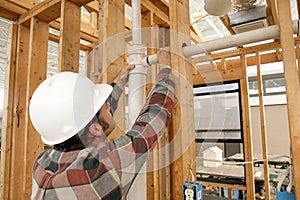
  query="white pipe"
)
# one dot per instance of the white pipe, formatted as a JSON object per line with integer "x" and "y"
{"x": 137, "y": 77}
{"x": 136, "y": 22}
{"x": 248, "y": 37}
{"x": 136, "y": 90}
{"x": 257, "y": 35}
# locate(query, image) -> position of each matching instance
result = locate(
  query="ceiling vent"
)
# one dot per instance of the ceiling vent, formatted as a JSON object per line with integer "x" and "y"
{"x": 261, "y": 23}
{"x": 247, "y": 20}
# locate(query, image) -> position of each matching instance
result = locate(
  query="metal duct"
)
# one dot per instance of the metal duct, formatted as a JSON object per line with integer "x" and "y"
{"x": 239, "y": 5}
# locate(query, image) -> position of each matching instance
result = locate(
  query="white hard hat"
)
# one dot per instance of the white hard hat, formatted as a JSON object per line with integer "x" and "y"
{"x": 64, "y": 104}
{"x": 217, "y": 7}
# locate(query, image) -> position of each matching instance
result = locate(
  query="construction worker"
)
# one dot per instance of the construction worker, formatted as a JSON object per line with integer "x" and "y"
{"x": 74, "y": 117}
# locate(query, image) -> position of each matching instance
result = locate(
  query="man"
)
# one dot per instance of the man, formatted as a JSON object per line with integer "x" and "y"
{"x": 74, "y": 116}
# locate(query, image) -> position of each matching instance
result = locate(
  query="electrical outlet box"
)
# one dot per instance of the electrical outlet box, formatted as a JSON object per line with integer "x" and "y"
{"x": 192, "y": 190}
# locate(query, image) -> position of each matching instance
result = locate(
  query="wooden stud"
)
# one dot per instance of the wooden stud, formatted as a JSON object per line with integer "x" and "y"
{"x": 223, "y": 63}
{"x": 7, "y": 129}
{"x": 153, "y": 186}
{"x": 263, "y": 128}
{"x": 111, "y": 52}
{"x": 164, "y": 159}
{"x": 272, "y": 10}
{"x": 37, "y": 73}
{"x": 298, "y": 61}
{"x": 69, "y": 43}
{"x": 20, "y": 136}
{"x": 247, "y": 132}
{"x": 17, "y": 170}
{"x": 292, "y": 86}
{"x": 182, "y": 133}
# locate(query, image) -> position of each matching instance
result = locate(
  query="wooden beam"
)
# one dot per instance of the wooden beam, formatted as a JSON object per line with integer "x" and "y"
{"x": 182, "y": 124}
{"x": 37, "y": 65}
{"x": 23, "y": 3}
{"x": 110, "y": 53}
{"x": 210, "y": 73}
{"x": 247, "y": 132}
{"x": 8, "y": 113}
{"x": 55, "y": 38}
{"x": 272, "y": 10}
{"x": 226, "y": 23}
{"x": 162, "y": 5}
{"x": 46, "y": 11}
{"x": 10, "y": 11}
{"x": 80, "y": 2}
{"x": 147, "y": 5}
{"x": 19, "y": 126}
{"x": 7, "y": 14}
{"x": 158, "y": 11}
{"x": 153, "y": 187}
{"x": 22, "y": 143}
{"x": 92, "y": 6}
{"x": 69, "y": 44}
{"x": 87, "y": 34}
{"x": 263, "y": 128}
{"x": 223, "y": 185}
{"x": 292, "y": 86}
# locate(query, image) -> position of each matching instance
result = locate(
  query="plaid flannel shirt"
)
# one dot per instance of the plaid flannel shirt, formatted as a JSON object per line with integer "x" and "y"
{"x": 107, "y": 171}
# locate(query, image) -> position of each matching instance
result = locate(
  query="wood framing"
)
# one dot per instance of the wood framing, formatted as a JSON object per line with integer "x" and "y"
{"x": 27, "y": 68}
{"x": 7, "y": 129}
{"x": 37, "y": 73}
{"x": 19, "y": 126}
{"x": 111, "y": 52}
{"x": 25, "y": 143}
{"x": 153, "y": 186}
{"x": 247, "y": 132}
{"x": 263, "y": 127}
{"x": 182, "y": 133}
{"x": 69, "y": 44}
{"x": 292, "y": 86}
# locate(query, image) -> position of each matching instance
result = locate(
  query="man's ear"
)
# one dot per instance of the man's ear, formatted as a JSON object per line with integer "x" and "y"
{"x": 95, "y": 129}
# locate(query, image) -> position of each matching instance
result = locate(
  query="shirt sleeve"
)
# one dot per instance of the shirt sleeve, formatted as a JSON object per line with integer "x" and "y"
{"x": 114, "y": 98}
{"x": 131, "y": 150}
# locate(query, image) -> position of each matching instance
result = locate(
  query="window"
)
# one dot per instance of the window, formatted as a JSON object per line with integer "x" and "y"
{"x": 218, "y": 130}
{"x": 273, "y": 84}
{"x": 217, "y": 113}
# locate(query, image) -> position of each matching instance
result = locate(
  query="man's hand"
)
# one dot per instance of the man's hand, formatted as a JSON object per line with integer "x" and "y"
{"x": 122, "y": 77}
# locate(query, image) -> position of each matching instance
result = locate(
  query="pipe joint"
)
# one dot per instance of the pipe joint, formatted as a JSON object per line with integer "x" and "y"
{"x": 139, "y": 69}
{"x": 150, "y": 60}
{"x": 136, "y": 54}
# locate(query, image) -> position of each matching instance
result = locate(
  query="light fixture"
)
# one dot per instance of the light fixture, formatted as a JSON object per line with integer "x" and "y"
{"x": 217, "y": 7}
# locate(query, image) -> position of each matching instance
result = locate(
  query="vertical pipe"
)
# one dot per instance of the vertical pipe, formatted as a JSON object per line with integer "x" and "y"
{"x": 137, "y": 77}
{"x": 136, "y": 22}
{"x": 136, "y": 91}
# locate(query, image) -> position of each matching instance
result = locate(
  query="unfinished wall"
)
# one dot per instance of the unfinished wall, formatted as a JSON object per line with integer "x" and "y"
{"x": 277, "y": 130}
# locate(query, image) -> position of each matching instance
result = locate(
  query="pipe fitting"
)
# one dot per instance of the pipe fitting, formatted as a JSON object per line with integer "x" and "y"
{"x": 150, "y": 60}
{"x": 136, "y": 54}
